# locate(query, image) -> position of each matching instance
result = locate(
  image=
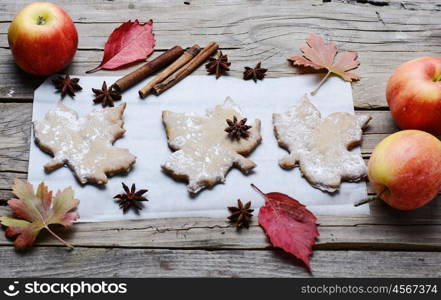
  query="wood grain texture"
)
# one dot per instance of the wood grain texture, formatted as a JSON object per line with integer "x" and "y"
{"x": 103, "y": 262}
{"x": 385, "y": 228}
{"x": 268, "y": 31}
{"x": 336, "y": 233}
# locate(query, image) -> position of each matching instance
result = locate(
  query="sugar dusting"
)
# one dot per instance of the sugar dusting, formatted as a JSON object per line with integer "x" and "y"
{"x": 204, "y": 152}
{"x": 85, "y": 144}
{"x": 320, "y": 146}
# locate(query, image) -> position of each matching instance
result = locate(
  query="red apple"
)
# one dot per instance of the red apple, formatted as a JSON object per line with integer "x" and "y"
{"x": 405, "y": 169}
{"x": 43, "y": 38}
{"x": 414, "y": 95}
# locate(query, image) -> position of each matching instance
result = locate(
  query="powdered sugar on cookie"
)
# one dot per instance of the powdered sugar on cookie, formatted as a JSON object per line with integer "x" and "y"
{"x": 203, "y": 151}
{"x": 321, "y": 146}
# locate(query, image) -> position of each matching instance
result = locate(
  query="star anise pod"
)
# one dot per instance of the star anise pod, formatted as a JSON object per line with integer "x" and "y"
{"x": 241, "y": 215}
{"x": 67, "y": 85}
{"x": 218, "y": 65}
{"x": 131, "y": 198}
{"x": 254, "y": 73}
{"x": 237, "y": 129}
{"x": 106, "y": 96}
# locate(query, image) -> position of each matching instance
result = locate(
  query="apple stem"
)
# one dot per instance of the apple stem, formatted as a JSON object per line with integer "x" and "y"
{"x": 366, "y": 200}
{"x": 320, "y": 83}
{"x": 258, "y": 190}
{"x": 41, "y": 21}
{"x": 370, "y": 199}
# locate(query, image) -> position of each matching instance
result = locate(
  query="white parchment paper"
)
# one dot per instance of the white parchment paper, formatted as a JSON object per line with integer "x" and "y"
{"x": 145, "y": 137}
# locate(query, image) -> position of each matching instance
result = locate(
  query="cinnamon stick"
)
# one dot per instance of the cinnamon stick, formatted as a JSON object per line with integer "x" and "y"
{"x": 141, "y": 73}
{"x": 182, "y": 60}
{"x": 186, "y": 69}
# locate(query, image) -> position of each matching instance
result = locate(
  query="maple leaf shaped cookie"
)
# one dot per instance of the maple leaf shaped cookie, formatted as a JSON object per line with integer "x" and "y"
{"x": 321, "y": 146}
{"x": 85, "y": 144}
{"x": 204, "y": 153}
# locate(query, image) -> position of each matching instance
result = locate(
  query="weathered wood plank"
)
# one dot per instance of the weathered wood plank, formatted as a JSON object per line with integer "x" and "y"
{"x": 417, "y": 230}
{"x": 93, "y": 262}
{"x": 15, "y": 134}
{"x": 114, "y": 11}
{"x": 250, "y": 35}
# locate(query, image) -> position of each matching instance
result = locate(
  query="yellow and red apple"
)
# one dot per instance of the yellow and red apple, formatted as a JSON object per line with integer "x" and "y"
{"x": 405, "y": 169}
{"x": 414, "y": 95}
{"x": 43, "y": 38}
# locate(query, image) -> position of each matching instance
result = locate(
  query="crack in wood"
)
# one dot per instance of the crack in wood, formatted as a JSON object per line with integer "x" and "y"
{"x": 163, "y": 230}
{"x": 362, "y": 246}
{"x": 405, "y": 5}
{"x": 329, "y": 246}
{"x": 14, "y": 171}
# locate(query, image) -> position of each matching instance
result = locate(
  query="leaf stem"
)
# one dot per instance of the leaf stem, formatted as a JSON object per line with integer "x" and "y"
{"x": 320, "y": 83}
{"x": 258, "y": 190}
{"x": 93, "y": 70}
{"x": 59, "y": 238}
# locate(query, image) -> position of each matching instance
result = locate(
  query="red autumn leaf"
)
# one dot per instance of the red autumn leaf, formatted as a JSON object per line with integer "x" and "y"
{"x": 35, "y": 211}
{"x": 319, "y": 55}
{"x": 129, "y": 43}
{"x": 288, "y": 224}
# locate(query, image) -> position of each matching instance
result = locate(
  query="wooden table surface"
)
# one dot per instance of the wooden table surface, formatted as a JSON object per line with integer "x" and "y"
{"x": 387, "y": 243}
